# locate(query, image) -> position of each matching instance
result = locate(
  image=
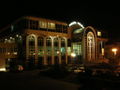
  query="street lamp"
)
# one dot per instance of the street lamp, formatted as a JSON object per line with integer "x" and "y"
{"x": 114, "y": 50}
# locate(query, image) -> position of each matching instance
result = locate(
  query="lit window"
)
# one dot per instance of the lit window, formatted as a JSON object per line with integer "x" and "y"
{"x": 2, "y": 69}
{"x": 99, "y": 33}
{"x": 69, "y": 50}
{"x": 78, "y": 31}
{"x": 77, "y": 48}
{"x": 42, "y": 24}
{"x": 51, "y": 25}
{"x": 103, "y": 51}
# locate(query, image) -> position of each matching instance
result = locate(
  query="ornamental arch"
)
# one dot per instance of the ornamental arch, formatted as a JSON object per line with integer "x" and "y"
{"x": 90, "y": 44}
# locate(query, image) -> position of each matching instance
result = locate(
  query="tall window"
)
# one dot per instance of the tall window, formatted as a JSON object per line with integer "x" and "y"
{"x": 63, "y": 50}
{"x": 77, "y": 48}
{"x": 56, "y": 46}
{"x": 56, "y": 50}
{"x": 49, "y": 50}
{"x": 31, "y": 46}
{"x": 90, "y": 46}
{"x": 40, "y": 50}
{"x": 40, "y": 46}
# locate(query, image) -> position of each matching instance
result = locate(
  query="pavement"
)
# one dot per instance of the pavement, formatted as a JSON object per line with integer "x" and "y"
{"x": 31, "y": 80}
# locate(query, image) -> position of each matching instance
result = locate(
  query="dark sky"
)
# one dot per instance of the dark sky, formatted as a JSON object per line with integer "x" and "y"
{"x": 101, "y": 15}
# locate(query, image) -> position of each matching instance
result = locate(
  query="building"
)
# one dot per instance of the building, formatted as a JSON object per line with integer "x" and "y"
{"x": 39, "y": 41}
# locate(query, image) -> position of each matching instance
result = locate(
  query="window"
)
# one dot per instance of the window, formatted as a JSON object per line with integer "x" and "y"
{"x": 78, "y": 31}
{"x": 56, "y": 46}
{"x": 65, "y": 29}
{"x": 42, "y": 24}
{"x": 99, "y": 33}
{"x": 48, "y": 46}
{"x": 51, "y": 25}
{"x": 40, "y": 46}
{"x": 77, "y": 48}
{"x": 69, "y": 50}
{"x": 31, "y": 45}
{"x": 59, "y": 28}
{"x": 33, "y": 24}
{"x": 63, "y": 49}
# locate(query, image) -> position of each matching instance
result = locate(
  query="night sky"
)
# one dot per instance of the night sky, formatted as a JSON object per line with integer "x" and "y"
{"x": 101, "y": 15}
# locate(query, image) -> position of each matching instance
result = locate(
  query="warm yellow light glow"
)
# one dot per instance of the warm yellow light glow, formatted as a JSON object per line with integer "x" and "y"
{"x": 8, "y": 53}
{"x": 10, "y": 37}
{"x": 103, "y": 51}
{"x": 114, "y": 50}
{"x": 2, "y": 69}
{"x": 58, "y": 52}
{"x": 17, "y": 35}
{"x": 73, "y": 54}
{"x": 99, "y": 33}
{"x": 6, "y": 39}
{"x": 15, "y": 53}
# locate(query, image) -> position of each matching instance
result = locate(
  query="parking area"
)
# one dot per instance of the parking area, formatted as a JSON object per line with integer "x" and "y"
{"x": 30, "y": 80}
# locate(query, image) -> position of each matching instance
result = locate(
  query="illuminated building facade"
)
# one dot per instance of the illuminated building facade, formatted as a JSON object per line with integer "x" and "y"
{"x": 39, "y": 41}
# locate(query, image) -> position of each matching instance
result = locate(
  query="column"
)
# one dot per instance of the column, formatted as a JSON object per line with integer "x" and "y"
{"x": 36, "y": 50}
{"x": 59, "y": 42}
{"x": 66, "y": 45}
{"x": 52, "y": 45}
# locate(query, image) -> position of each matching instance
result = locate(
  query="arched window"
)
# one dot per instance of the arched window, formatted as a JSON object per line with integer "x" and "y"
{"x": 63, "y": 50}
{"x": 31, "y": 41}
{"x": 56, "y": 50}
{"x": 40, "y": 46}
{"x": 40, "y": 50}
{"x": 31, "y": 51}
{"x": 90, "y": 46}
{"x": 49, "y": 49}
